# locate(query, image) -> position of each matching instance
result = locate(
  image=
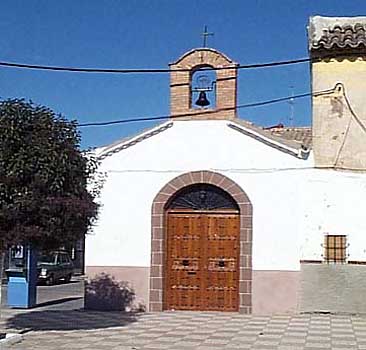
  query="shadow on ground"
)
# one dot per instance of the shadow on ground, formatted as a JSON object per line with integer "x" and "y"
{"x": 57, "y": 301}
{"x": 61, "y": 308}
{"x": 57, "y": 283}
{"x": 67, "y": 320}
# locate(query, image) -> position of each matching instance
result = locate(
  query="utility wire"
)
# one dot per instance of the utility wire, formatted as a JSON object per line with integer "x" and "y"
{"x": 147, "y": 70}
{"x": 159, "y": 70}
{"x": 352, "y": 116}
{"x": 204, "y": 112}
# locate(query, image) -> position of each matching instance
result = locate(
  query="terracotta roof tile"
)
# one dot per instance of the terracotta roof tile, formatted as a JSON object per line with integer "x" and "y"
{"x": 337, "y": 32}
{"x": 289, "y": 136}
{"x": 303, "y": 135}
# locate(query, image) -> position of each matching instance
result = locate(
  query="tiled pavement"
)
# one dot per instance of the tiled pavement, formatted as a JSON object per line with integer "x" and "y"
{"x": 184, "y": 330}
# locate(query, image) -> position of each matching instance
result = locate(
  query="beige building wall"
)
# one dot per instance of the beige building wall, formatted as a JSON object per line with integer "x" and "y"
{"x": 339, "y": 118}
{"x": 337, "y": 47}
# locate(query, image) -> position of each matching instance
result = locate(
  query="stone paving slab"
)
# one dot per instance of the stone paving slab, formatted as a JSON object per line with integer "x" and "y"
{"x": 78, "y": 329}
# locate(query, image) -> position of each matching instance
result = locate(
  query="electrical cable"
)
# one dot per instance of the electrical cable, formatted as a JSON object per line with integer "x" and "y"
{"x": 165, "y": 70}
{"x": 183, "y": 115}
{"x": 229, "y": 170}
{"x": 352, "y": 116}
{"x": 238, "y": 170}
{"x": 353, "y": 113}
{"x": 146, "y": 70}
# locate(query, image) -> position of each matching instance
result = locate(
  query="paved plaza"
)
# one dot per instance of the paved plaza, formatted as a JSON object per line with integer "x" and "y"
{"x": 59, "y": 322}
{"x": 184, "y": 330}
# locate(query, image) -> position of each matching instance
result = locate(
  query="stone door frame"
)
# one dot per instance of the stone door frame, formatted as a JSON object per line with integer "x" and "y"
{"x": 158, "y": 232}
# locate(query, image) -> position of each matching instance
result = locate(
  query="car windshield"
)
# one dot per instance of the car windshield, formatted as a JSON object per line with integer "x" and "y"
{"x": 48, "y": 259}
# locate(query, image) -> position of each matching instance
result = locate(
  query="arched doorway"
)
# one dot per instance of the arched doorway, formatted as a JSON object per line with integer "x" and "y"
{"x": 233, "y": 214}
{"x": 202, "y": 250}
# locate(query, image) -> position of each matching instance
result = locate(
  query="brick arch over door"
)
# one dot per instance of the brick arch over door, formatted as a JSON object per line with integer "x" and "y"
{"x": 158, "y": 234}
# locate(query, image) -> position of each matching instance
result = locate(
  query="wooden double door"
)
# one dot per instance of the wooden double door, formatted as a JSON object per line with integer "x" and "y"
{"x": 202, "y": 261}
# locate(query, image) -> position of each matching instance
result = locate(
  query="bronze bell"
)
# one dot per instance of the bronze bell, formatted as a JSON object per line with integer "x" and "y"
{"x": 202, "y": 100}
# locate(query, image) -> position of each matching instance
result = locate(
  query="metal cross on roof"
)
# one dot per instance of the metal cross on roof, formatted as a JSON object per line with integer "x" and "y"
{"x": 206, "y": 34}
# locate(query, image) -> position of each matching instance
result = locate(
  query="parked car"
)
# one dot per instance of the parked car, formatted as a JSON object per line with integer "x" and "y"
{"x": 55, "y": 266}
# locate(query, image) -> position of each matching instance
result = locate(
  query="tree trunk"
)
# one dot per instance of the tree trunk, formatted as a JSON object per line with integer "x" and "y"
{"x": 2, "y": 258}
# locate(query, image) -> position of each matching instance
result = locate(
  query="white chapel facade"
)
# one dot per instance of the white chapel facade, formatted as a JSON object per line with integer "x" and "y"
{"x": 209, "y": 212}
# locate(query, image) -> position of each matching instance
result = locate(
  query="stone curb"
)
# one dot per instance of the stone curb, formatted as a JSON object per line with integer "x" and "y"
{"x": 10, "y": 339}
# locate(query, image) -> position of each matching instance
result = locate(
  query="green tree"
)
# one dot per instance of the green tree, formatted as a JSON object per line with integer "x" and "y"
{"x": 44, "y": 177}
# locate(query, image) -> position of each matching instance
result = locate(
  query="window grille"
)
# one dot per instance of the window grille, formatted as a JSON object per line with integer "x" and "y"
{"x": 335, "y": 248}
{"x": 202, "y": 197}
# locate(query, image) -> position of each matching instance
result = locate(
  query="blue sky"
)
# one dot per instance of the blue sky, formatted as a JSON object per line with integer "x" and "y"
{"x": 151, "y": 34}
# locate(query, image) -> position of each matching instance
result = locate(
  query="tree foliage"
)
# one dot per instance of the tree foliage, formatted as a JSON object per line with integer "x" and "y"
{"x": 44, "y": 198}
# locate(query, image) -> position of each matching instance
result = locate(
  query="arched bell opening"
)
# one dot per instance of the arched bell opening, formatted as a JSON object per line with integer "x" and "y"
{"x": 203, "y": 88}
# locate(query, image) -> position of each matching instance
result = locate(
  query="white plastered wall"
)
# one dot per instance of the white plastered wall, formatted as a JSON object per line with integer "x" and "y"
{"x": 286, "y": 194}
{"x": 334, "y": 202}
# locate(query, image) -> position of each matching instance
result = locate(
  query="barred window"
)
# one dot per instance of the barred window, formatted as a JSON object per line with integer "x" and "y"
{"x": 335, "y": 248}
